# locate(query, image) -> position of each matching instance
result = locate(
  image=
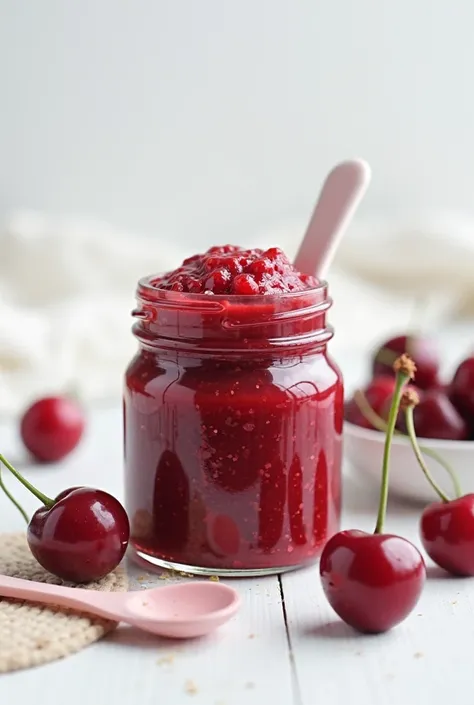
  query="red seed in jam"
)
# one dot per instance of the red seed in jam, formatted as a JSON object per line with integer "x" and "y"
{"x": 233, "y": 270}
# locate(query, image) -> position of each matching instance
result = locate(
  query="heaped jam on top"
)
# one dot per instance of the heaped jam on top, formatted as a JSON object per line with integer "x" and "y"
{"x": 229, "y": 269}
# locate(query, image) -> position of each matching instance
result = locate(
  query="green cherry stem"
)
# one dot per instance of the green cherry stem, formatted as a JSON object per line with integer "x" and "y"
{"x": 410, "y": 402}
{"x": 12, "y": 499}
{"x": 401, "y": 379}
{"x": 380, "y": 425}
{"x": 47, "y": 501}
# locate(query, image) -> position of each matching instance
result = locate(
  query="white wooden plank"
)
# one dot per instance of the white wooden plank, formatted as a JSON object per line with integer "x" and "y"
{"x": 230, "y": 667}
{"x": 244, "y": 663}
{"x": 431, "y": 651}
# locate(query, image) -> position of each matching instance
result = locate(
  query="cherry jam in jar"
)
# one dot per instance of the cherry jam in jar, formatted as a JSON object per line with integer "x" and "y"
{"x": 233, "y": 416}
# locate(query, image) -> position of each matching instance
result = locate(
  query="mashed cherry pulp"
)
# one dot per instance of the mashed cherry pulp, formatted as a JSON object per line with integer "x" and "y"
{"x": 232, "y": 270}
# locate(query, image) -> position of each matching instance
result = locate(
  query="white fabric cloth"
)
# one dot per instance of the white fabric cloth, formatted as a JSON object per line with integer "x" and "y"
{"x": 67, "y": 289}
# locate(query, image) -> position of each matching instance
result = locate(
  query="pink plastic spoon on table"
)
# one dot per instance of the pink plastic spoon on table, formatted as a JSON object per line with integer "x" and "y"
{"x": 183, "y": 610}
{"x": 342, "y": 192}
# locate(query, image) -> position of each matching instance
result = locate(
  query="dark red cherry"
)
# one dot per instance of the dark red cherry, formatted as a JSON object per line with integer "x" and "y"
{"x": 52, "y": 427}
{"x": 79, "y": 536}
{"x": 82, "y": 537}
{"x": 447, "y": 534}
{"x": 421, "y": 350}
{"x": 372, "y": 581}
{"x": 378, "y": 393}
{"x": 446, "y": 527}
{"x": 461, "y": 390}
{"x": 436, "y": 417}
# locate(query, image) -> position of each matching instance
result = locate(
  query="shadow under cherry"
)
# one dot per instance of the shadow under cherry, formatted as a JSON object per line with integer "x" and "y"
{"x": 337, "y": 630}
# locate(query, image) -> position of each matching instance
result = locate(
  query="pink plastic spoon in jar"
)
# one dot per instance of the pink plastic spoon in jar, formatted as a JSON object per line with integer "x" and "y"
{"x": 180, "y": 611}
{"x": 342, "y": 192}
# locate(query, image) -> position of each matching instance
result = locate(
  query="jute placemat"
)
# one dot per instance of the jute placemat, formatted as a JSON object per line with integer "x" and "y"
{"x": 32, "y": 634}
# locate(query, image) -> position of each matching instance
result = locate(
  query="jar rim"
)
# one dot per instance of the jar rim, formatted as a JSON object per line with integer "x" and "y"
{"x": 176, "y": 297}
{"x": 268, "y": 320}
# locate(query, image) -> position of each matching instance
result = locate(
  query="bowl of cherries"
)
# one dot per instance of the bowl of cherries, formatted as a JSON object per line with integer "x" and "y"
{"x": 443, "y": 420}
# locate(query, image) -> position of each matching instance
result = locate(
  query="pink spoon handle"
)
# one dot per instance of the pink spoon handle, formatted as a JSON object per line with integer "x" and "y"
{"x": 102, "y": 604}
{"x": 341, "y": 194}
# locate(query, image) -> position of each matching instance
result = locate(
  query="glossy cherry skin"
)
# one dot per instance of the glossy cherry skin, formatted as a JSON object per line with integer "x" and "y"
{"x": 421, "y": 350}
{"x": 82, "y": 538}
{"x": 461, "y": 390}
{"x": 378, "y": 394}
{"x": 447, "y": 534}
{"x": 52, "y": 427}
{"x": 372, "y": 581}
{"x": 436, "y": 417}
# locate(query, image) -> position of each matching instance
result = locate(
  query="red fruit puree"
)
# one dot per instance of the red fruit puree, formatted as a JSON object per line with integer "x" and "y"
{"x": 232, "y": 416}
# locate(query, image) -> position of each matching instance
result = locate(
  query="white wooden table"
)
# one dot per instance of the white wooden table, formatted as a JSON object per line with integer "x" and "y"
{"x": 285, "y": 647}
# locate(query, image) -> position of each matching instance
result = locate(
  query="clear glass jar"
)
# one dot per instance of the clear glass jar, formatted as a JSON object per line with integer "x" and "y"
{"x": 233, "y": 417}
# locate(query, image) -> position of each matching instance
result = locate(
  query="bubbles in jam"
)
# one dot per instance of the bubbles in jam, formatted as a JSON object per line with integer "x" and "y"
{"x": 229, "y": 269}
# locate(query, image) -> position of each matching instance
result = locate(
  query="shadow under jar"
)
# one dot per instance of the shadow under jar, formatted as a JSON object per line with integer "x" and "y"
{"x": 233, "y": 428}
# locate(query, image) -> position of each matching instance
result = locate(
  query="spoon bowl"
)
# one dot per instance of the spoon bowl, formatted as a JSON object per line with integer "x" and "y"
{"x": 180, "y": 611}
{"x": 183, "y": 610}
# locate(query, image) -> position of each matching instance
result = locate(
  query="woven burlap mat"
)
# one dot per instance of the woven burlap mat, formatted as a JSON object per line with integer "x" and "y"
{"x": 32, "y": 634}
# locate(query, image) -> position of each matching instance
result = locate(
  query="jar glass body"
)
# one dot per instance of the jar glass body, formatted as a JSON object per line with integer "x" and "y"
{"x": 233, "y": 432}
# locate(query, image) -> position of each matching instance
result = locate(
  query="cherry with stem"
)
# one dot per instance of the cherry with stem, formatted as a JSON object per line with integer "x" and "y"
{"x": 373, "y": 581}
{"x": 80, "y": 536}
{"x": 446, "y": 527}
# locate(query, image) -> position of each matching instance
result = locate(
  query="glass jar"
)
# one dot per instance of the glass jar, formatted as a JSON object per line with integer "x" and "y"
{"x": 233, "y": 416}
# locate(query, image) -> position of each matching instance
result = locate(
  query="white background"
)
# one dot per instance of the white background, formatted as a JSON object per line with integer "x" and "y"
{"x": 208, "y": 119}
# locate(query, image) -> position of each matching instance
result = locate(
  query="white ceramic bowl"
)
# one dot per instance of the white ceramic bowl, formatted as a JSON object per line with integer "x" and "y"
{"x": 364, "y": 449}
